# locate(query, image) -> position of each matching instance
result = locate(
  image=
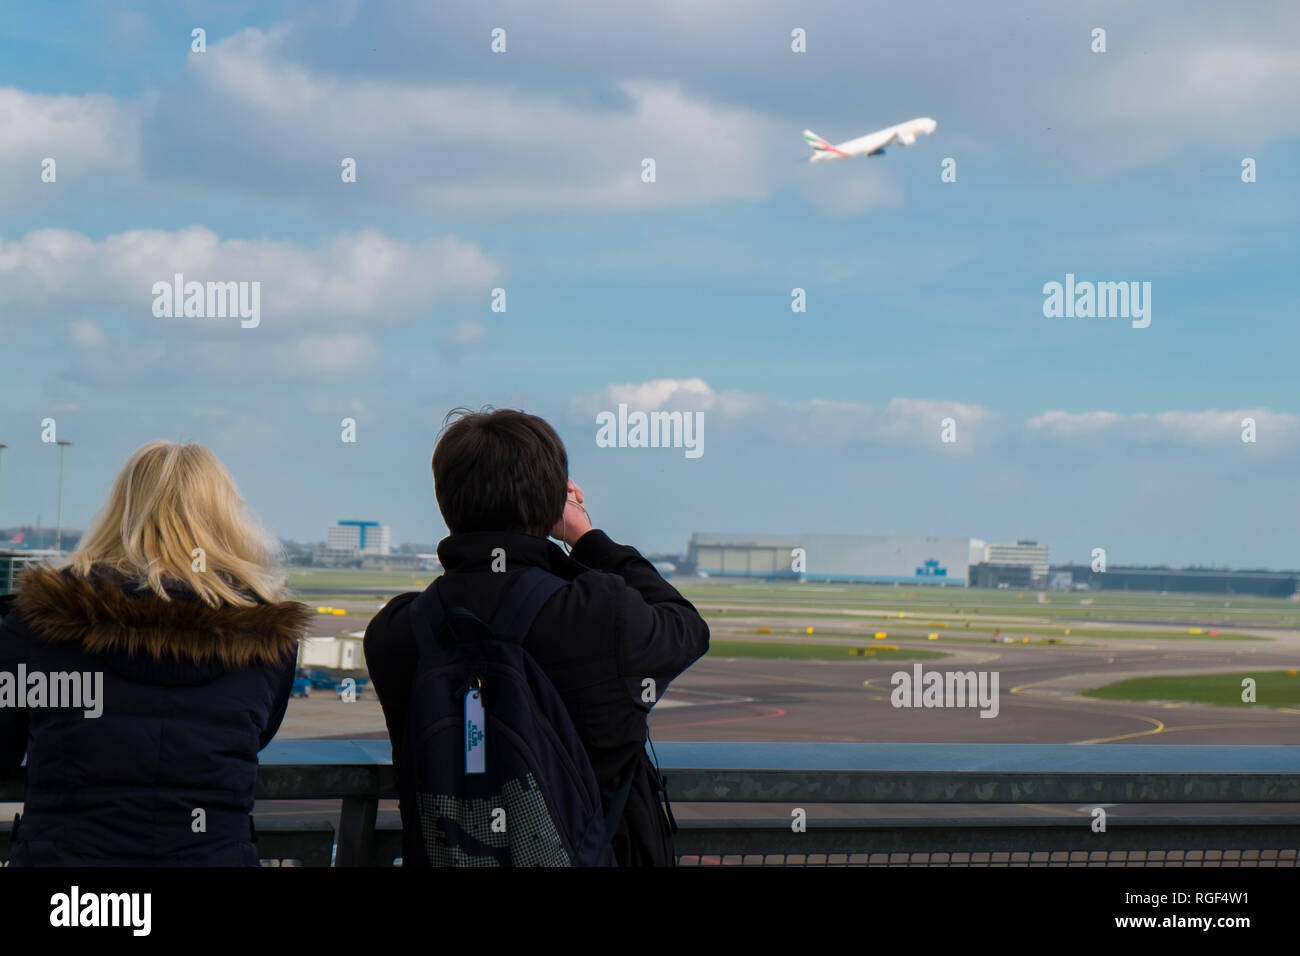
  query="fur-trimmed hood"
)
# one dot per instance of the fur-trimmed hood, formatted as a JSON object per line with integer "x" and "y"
{"x": 105, "y": 615}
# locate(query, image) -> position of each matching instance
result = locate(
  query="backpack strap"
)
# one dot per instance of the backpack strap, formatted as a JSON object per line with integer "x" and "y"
{"x": 614, "y": 812}
{"x": 426, "y": 614}
{"x": 519, "y": 608}
{"x": 514, "y": 616}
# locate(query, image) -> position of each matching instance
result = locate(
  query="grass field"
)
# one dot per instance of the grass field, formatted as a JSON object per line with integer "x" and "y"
{"x": 909, "y": 613}
{"x": 345, "y": 578}
{"x": 981, "y": 633}
{"x": 723, "y": 632}
{"x": 902, "y": 625}
{"x": 812, "y": 651}
{"x": 1272, "y": 689}
{"x": 1137, "y": 606}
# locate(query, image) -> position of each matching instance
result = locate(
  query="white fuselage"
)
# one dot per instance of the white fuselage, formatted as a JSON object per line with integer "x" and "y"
{"x": 903, "y": 134}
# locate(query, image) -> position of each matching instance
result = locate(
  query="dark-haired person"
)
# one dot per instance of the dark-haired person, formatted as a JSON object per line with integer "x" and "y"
{"x": 169, "y": 616}
{"x": 502, "y": 482}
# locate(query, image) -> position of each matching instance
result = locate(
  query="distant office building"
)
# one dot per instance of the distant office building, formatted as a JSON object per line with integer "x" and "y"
{"x": 1029, "y": 554}
{"x": 1275, "y": 584}
{"x": 323, "y": 557}
{"x": 1060, "y": 581}
{"x": 881, "y": 559}
{"x": 986, "y": 575}
{"x": 368, "y": 537}
{"x": 391, "y": 562}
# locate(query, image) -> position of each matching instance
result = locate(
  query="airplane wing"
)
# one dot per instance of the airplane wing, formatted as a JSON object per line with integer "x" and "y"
{"x": 872, "y": 144}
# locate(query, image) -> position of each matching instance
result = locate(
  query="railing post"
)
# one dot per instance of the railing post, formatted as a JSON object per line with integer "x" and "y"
{"x": 356, "y": 839}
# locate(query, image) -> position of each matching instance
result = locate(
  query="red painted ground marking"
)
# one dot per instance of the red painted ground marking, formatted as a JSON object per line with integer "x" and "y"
{"x": 778, "y": 712}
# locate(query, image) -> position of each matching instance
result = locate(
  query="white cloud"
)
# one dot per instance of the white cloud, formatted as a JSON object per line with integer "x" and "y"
{"x": 452, "y": 145}
{"x": 469, "y": 331}
{"x": 900, "y": 419}
{"x": 1176, "y": 75}
{"x": 904, "y": 420}
{"x": 1251, "y": 83}
{"x": 906, "y": 416}
{"x": 1069, "y": 424}
{"x": 78, "y": 132}
{"x": 1185, "y": 427}
{"x": 920, "y": 421}
{"x": 663, "y": 392}
{"x": 363, "y": 277}
{"x": 267, "y": 112}
{"x": 840, "y": 193}
{"x": 336, "y": 353}
{"x": 1179, "y": 93}
{"x": 87, "y": 335}
{"x": 667, "y": 394}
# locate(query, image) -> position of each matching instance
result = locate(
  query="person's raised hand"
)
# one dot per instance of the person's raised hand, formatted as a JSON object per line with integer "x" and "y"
{"x": 575, "y": 521}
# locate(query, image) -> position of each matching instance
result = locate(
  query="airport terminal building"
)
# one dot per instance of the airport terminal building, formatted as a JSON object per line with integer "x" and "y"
{"x": 861, "y": 558}
{"x": 1273, "y": 584}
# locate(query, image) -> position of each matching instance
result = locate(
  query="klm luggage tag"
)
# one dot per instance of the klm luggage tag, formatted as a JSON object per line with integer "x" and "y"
{"x": 475, "y": 728}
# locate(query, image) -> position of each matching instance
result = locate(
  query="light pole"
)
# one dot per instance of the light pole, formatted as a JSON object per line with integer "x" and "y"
{"x": 58, "y": 523}
{"x": 2, "y": 448}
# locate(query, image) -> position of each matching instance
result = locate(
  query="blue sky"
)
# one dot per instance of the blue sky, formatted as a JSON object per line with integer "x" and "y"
{"x": 522, "y": 171}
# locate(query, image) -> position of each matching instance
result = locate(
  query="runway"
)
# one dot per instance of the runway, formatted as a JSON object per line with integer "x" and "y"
{"x": 1039, "y": 702}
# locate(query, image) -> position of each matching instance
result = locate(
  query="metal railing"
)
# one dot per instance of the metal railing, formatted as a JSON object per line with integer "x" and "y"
{"x": 776, "y": 779}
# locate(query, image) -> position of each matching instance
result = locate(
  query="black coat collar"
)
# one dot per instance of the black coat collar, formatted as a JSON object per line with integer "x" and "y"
{"x": 477, "y": 550}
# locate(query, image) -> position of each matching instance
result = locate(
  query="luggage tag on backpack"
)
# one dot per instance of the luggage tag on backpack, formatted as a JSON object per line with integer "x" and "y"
{"x": 475, "y": 730}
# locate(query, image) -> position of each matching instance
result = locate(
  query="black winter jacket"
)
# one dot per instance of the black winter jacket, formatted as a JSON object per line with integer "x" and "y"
{"x": 190, "y": 694}
{"x": 616, "y": 624}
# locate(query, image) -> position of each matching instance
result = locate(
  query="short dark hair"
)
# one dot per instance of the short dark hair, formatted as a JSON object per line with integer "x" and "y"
{"x": 500, "y": 470}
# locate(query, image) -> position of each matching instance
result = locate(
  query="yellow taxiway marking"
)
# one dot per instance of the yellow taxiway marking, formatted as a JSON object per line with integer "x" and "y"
{"x": 1035, "y": 683}
{"x": 1174, "y": 730}
{"x": 1159, "y": 728}
{"x": 1056, "y": 811}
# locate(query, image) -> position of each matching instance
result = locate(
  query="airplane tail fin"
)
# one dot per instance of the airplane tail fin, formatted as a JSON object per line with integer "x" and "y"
{"x": 821, "y": 149}
{"x": 818, "y": 144}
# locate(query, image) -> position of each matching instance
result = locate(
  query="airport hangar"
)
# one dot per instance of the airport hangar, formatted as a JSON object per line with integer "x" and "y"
{"x": 878, "y": 559}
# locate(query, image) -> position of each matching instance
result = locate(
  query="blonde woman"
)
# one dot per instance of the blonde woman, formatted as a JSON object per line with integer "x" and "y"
{"x": 166, "y": 654}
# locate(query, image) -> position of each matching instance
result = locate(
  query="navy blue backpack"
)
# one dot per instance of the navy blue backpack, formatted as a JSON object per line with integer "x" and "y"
{"x": 493, "y": 764}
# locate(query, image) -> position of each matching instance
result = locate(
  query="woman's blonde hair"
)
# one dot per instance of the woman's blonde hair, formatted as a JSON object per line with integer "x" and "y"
{"x": 169, "y": 500}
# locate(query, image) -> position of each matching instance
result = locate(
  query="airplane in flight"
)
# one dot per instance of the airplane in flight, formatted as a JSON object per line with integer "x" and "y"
{"x": 873, "y": 144}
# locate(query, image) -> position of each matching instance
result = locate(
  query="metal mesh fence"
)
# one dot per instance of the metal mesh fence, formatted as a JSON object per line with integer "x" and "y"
{"x": 1073, "y": 858}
